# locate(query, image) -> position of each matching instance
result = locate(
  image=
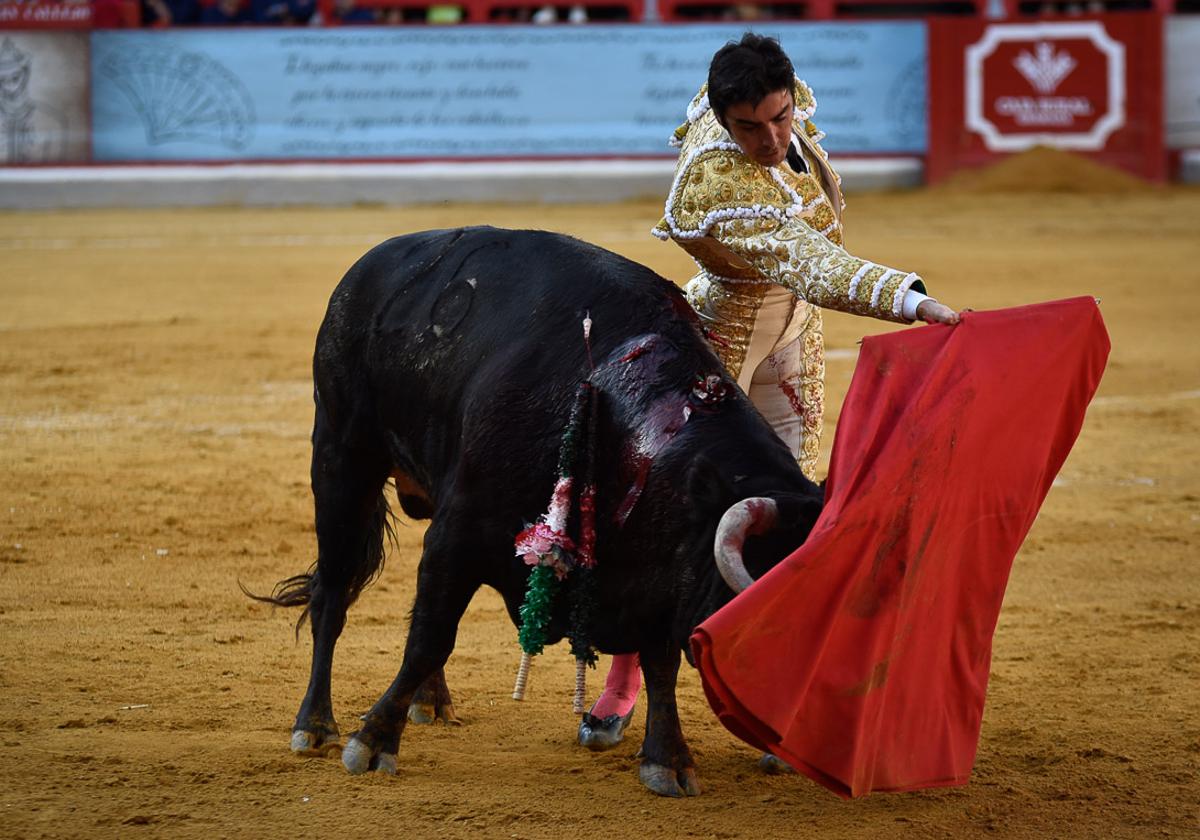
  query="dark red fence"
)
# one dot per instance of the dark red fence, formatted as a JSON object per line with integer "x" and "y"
{"x": 100, "y": 14}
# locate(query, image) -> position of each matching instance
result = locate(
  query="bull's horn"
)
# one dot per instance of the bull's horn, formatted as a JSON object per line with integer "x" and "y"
{"x": 747, "y": 517}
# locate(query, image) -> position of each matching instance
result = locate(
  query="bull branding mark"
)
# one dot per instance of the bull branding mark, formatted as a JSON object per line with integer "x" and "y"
{"x": 451, "y": 306}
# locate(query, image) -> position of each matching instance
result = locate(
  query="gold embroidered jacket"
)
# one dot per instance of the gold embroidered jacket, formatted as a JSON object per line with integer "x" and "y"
{"x": 749, "y": 226}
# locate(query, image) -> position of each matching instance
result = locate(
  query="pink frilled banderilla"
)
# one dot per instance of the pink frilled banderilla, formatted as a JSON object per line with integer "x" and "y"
{"x": 546, "y": 543}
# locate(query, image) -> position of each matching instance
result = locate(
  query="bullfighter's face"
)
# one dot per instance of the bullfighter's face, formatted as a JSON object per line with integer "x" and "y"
{"x": 762, "y": 131}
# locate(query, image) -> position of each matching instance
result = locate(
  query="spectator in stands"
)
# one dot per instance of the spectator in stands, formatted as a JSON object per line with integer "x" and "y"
{"x": 346, "y": 12}
{"x": 443, "y": 14}
{"x": 746, "y": 12}
{"x": 115, "y": 14}
{"x": 516, "y": 14}
{"x": 756, "y": 203}
{"x": 225, "y": 12}
{"x": 301, "y": 11}
{"x": 281, "y": 12}
{"x": 268, "y": 12}
{"x": 577, "y": 13}
{"x": 161, "y": 13}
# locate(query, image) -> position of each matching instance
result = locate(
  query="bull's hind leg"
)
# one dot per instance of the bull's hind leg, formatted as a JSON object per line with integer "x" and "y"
{"x": 432, "y": 702}
{"x": 351, "y": 515}
{"x": 447, "y": 578}
{"x": 667, "y": 765}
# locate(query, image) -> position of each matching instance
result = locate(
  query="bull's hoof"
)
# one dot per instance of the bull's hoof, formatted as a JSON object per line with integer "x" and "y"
{"x": 432, "y": 701}
{"x": 314, "y": 745}
{"x": 603, "y": 733}
{"x": 424, "y": 713}
{"x": 358, "y": 758}
{"x": 667, "y": 782}
{"x": 773, "y": 765}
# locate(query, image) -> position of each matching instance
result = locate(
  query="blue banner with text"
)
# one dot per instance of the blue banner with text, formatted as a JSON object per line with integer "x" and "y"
{"x": 474, "y": 92}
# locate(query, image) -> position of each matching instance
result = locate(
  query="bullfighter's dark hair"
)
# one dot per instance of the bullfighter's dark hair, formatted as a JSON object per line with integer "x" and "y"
{"x": 746, "y": 71}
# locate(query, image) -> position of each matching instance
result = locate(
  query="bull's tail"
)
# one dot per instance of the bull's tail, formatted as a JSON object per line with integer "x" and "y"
{"x": 297, "y": 590}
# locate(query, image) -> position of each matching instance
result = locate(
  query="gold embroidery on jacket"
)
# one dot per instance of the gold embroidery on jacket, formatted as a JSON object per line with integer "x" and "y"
{"x": 748, "y": 226}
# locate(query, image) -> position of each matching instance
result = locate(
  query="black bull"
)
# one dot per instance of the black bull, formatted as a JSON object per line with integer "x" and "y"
{"x": 448, "y": 361}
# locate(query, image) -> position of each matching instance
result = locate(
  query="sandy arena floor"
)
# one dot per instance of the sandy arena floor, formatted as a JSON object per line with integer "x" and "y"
{"x": 154, "y": 417}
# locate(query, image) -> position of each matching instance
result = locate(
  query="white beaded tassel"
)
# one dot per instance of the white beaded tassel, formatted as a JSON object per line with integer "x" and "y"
{"x": 580, "y": 686}
{"x": 522, "y": 677}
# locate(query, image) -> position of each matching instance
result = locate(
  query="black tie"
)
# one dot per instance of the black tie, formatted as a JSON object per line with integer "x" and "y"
{"x": 796, "y": 160}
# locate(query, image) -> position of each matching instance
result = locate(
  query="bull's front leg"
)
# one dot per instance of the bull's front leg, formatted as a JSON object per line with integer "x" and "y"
{"x": 376, "y": 745}
{"x": 667, "y": 765}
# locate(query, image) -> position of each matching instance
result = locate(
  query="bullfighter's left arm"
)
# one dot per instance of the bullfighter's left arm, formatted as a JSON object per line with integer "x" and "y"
{"x": 792, "y": 254}
{"x": 745, "y": 223}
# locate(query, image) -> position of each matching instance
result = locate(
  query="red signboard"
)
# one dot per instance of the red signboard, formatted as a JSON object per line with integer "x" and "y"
{"x": 46, "y": 15}
{"x": 1090, "y": 85}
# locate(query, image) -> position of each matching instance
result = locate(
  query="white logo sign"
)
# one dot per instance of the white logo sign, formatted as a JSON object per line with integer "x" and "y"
{"x": 1047, "y": 69}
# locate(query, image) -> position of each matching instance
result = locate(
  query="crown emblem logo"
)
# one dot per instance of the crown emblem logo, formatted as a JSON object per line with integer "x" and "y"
{"x": 1045, "y": 68}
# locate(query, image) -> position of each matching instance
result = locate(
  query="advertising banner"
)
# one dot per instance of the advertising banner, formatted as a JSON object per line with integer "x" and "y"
{"x": 43, "y": 98}
{"x": 1183, "y": 82}
{"x": 34, "y": 15}
{"x": 1087, "y": 85}
{"x": 474, "y": 92}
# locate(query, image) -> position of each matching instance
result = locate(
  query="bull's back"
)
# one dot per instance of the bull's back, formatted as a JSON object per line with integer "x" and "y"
{"x": 464, "y": 298}
{"x": 479, "y": 331}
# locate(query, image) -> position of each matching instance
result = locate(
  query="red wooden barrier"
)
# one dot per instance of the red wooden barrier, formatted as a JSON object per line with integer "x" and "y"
{"x": 694, "y": 10}
{"x": 491, "y": 11}
{"x": 1058, "y": 8}
{"x": 101, "y": 14}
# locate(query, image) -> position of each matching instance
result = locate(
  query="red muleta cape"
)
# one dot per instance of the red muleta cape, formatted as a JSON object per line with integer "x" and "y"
{"x": 862, "y": 659}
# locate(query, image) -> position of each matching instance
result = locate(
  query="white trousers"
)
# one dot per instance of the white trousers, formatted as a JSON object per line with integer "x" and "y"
{"x": 772, "y": 400}
{"x": 784, "y": 373}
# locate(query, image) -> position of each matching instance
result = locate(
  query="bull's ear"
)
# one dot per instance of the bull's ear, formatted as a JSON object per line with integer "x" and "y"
{"x": 707, "y": 489}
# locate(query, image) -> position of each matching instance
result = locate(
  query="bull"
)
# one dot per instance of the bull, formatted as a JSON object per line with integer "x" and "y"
{"x": 446, "y": 362}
